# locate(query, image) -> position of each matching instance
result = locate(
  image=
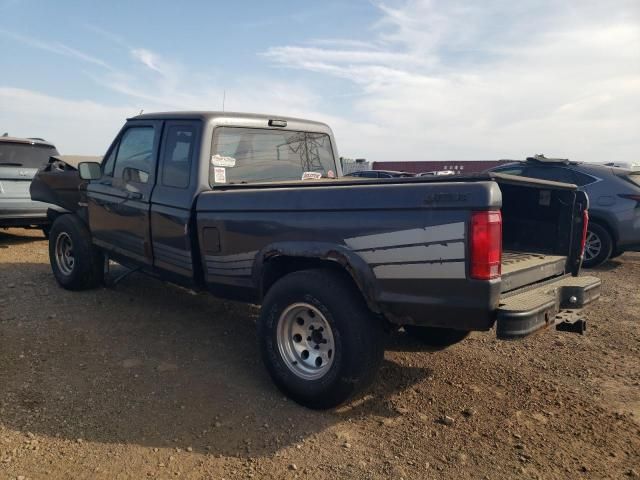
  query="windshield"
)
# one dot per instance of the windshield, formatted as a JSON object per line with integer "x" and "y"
{"x": 25, "y": 155}
{"x": 249, "y": 155}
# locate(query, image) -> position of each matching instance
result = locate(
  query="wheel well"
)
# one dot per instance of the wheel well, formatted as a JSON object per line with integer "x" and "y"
{"x": 276, "y": 268}
{"x": 53, "y": 214}
{"x": 604, "y": 224}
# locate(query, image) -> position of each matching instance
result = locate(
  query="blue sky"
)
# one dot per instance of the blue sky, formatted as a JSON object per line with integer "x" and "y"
{"x": 396, "y": 79}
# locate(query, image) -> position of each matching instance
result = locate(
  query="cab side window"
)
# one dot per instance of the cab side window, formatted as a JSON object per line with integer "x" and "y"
{"x": 135, "y": 155}
{"x": 178, "y": 151}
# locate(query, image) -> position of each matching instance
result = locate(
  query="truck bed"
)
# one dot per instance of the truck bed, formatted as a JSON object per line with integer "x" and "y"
{"x": 524, "y": 268}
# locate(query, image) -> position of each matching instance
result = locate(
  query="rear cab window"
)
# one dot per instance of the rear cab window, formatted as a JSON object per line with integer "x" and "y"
{"x": 253, "y": 155}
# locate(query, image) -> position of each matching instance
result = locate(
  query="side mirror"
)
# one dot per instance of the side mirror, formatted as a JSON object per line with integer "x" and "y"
{"x": 89, "y": 170}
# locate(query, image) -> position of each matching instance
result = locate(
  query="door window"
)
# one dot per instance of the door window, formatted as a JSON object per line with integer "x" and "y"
{"x": 109, "y": 162}
{"x": 135, "y": 156}
{"x": 555, "y": 174}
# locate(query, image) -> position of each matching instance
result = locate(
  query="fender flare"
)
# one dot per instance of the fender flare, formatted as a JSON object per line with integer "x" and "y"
{"x": 352, "y": 263}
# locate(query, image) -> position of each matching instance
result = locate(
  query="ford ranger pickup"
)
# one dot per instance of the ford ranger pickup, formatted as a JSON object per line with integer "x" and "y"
{"x": 255, "y": 208}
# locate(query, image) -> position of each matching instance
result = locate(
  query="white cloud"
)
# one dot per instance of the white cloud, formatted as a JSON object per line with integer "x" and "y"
{"x": 456, "y": 80}
{"x": 76, "y": 127}
{"x": 148, "y": 58}
{"x": 56, "y": 47}
{"x": 430, "y": 80}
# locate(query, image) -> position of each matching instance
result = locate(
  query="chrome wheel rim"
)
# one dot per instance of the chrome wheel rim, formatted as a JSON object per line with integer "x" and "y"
{"x": 305, "y": 341}
{"x": 592, "y": 246}
{"x": 64, "y": 253}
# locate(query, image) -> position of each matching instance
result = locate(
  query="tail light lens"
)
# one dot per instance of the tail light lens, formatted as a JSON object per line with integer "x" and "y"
{"x": 486, "y": 245}
{"x": 585, "y": 225}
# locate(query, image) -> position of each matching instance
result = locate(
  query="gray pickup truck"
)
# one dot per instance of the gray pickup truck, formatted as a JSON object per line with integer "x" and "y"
{"x": 254, "y": 208}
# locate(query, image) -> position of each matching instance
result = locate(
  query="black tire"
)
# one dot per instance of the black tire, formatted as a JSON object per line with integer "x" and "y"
{"x": 604, "y": 243}
{"x": 357, "y": 337}
{"x": 86, "y": 268}
{"x": 436, "y": 337}
{"x": 616, "y": 253}
{"x": 46, "y": 230}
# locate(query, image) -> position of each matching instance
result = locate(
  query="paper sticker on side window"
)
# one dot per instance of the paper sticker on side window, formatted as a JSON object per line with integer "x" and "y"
{"x": 311, "y": 176}
{"x": 220, "y": 161}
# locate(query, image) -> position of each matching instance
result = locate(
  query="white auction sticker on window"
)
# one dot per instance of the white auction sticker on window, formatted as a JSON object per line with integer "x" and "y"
{"x": 220, "y": 175}
{"x": 220, "y": 161}
{"x": 311, "y": 176}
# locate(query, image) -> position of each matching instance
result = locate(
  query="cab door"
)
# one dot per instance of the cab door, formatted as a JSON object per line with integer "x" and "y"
{"x": 119, "y": 202}
{"x": 173, "y": 198}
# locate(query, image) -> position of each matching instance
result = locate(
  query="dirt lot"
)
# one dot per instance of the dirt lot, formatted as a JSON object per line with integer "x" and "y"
{"x": 146, "y": 380}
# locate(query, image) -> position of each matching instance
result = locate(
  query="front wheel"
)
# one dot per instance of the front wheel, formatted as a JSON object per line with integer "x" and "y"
{"x": 75, "y": 262}
{"x": 319, "y": 341}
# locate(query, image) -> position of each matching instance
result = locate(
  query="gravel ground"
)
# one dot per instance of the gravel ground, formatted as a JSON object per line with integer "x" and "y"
{"x": 146, "y": 380}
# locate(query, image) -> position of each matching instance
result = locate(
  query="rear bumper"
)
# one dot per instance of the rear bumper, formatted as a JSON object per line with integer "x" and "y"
{"x": 17, "y": 212}
{"x": 528, "y": 310}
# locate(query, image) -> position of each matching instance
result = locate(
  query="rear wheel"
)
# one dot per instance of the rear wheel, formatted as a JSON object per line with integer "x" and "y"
{"x": 598, "y": 246}
{"x": 319, "y": 341}
{"x": 616, "y": 253}
{"x": 76, "y": 263}
{"x": 436, "y": 337}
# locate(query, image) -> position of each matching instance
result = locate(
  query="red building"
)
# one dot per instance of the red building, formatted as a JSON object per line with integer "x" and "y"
{"x": 458, "y": 166}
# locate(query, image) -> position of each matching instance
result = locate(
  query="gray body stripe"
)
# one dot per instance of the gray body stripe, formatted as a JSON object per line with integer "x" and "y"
{"x": 419, "y": 253}
{"x": 242, "y": 272}
{"x": 232, "y": 258}
{"x": 421, "y": 270}
{"x": 436, "y": 233}
{"x": 237, "y": 264}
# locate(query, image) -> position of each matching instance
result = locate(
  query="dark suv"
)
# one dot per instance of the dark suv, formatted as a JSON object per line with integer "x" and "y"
{"x": 614, "y": 201}
{"x": 20, "y": 159}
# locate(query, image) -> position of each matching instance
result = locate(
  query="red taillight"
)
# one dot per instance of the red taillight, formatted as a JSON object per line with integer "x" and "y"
{"x": 585, "y": 225}
{"x": 485, "y": 245}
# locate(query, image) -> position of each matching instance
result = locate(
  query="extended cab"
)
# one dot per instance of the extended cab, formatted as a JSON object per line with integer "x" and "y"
{"x": 252, "y": 207}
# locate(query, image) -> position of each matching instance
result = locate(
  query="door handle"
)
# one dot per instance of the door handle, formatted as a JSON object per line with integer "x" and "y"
{"x": 134, "y": 195}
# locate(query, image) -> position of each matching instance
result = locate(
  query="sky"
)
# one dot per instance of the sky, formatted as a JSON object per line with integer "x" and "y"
{"x": 395, "y": 79}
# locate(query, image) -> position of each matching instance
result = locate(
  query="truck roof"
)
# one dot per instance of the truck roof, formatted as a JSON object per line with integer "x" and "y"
{"x": 238, "y": 119}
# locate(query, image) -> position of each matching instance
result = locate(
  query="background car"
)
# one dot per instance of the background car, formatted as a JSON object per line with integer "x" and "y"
{"x": 614, "y": 201}
{"x": 20, "y": 159}
{"x": 436, "y": 173}
{"x": 379, "y": 174}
